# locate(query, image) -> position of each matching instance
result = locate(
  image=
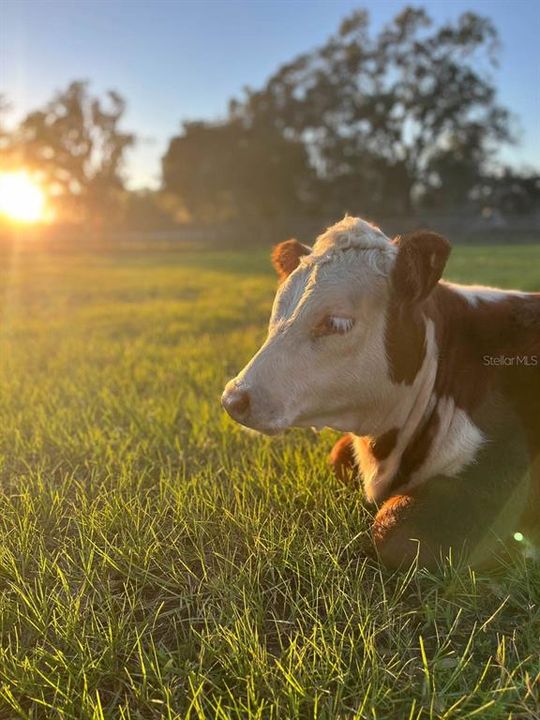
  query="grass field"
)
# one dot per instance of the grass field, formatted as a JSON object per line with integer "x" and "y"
{"x": 158, "y": 562}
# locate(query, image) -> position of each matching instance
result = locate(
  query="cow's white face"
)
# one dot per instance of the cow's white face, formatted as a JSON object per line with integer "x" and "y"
{"x": 323, "y": 363}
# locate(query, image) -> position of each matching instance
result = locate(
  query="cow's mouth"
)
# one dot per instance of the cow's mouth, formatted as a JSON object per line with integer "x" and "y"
{"x": 265, "y": 428}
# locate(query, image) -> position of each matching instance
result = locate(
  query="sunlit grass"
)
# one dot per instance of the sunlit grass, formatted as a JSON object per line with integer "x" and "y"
{"x": 158, "y": 562}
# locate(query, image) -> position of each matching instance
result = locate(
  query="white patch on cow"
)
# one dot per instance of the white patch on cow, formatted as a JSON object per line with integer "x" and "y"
{"x": 377, "y": 252}
{"x": 455, "y": 446}
{"x": 351, "y": 232}
{"x": 288, "y": 297}
{"x": 480, "y": 293}
{"x": 304, "y": 377}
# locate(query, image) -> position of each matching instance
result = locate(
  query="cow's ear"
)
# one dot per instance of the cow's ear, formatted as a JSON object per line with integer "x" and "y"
{"x": 286, "y": 256}
{"x": 419, "y": 264}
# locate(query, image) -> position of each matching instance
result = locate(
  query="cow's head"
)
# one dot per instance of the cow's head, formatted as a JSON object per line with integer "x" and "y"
{"x": 324, "y": 362}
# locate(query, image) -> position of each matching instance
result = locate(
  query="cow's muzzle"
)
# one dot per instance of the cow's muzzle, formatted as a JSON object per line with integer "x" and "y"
{"x": 237, "y": 402}
{"x": 252, "y": 409}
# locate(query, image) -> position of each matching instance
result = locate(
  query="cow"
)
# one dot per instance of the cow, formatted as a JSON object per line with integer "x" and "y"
{"x": 435, "y": 385}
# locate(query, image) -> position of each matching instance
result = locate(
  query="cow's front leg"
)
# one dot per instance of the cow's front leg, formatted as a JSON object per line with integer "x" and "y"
{"x": 343, "y": 461}
{"x": 475, "y": 516}
{"x": 446, "y": 516}
{"x": 407, "y": 527}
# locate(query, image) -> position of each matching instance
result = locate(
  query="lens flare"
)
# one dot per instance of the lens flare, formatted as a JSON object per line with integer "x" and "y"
{"x": 21, "y": 199}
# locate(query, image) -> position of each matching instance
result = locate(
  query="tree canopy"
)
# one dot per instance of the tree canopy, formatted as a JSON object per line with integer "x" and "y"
{"x": 226, "y": 170}
{"x": 371, "y": 121}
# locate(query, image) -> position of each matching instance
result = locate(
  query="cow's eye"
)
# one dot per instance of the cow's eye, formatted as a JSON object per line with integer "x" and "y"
{"x": 333, "y": 325}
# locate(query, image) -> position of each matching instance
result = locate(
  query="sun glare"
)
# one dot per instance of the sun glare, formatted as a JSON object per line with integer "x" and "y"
{"x": 21, "y": 199}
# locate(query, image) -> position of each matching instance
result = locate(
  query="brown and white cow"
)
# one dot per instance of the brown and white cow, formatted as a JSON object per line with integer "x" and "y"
{"x": 437, "y": 386}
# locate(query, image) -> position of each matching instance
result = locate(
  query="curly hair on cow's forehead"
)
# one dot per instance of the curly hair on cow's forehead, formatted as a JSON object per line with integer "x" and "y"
{"x": 348, "y": 235}
{"x": 351, "y": 232}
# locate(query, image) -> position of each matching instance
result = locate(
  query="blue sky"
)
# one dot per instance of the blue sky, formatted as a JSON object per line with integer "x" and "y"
{"x": 176, "y": 60}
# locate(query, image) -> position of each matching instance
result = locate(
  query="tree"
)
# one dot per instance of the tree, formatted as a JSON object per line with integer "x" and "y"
{"x": 227, "y": 170}
{"x": 76, "y": 144}
{"x": 384, "y": 118}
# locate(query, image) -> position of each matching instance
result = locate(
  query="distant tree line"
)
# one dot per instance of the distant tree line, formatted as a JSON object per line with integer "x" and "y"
{"x": 384, "y": 123}
{"x": 380, "y": 123}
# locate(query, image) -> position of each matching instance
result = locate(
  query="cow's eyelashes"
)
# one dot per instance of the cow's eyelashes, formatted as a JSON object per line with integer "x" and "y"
{"x": 333, "y": 325}
{"x": 340, "y": 325}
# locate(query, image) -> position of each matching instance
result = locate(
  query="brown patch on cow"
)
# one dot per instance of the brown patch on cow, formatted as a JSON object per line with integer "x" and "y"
{"x": 527, "y": 314}
{"x": 416, "y": 453}
{"x": 343, "y": 460}
{"x": 381, "y": 447}
{"x": 419, "y": 264}
{"x": 286, "y": 257}
{"x": 405, "y": 341}
{"x": 472, "y": 339}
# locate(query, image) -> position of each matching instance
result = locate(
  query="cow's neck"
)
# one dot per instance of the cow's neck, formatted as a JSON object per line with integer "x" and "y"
{"x": 432, "y": 427}
{"x": 403, "y": 432}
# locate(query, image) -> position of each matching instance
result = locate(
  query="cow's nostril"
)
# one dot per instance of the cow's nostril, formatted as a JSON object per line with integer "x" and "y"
{"x": 236, "y": 403}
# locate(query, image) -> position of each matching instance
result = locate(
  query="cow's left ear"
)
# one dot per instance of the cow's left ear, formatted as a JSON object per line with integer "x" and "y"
{"x": 286, "y": 257}
{"x": 419, "y": 264}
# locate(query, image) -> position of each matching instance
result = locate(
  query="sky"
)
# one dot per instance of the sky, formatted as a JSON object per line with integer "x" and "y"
{"x": 176, "y": 60}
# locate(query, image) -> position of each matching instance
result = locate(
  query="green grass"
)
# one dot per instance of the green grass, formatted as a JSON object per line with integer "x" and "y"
{"x": 158, "y": 562}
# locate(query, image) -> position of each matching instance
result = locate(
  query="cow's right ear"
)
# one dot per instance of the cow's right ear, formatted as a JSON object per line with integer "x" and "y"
{"x": 420, "y": 262}
{"x": 286, "y": 257}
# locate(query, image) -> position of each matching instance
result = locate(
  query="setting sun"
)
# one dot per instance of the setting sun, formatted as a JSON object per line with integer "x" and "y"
{"x": 21, "y": 199}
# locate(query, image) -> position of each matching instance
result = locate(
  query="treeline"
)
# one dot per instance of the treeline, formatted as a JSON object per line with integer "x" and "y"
{"x": 379, "y": 123}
